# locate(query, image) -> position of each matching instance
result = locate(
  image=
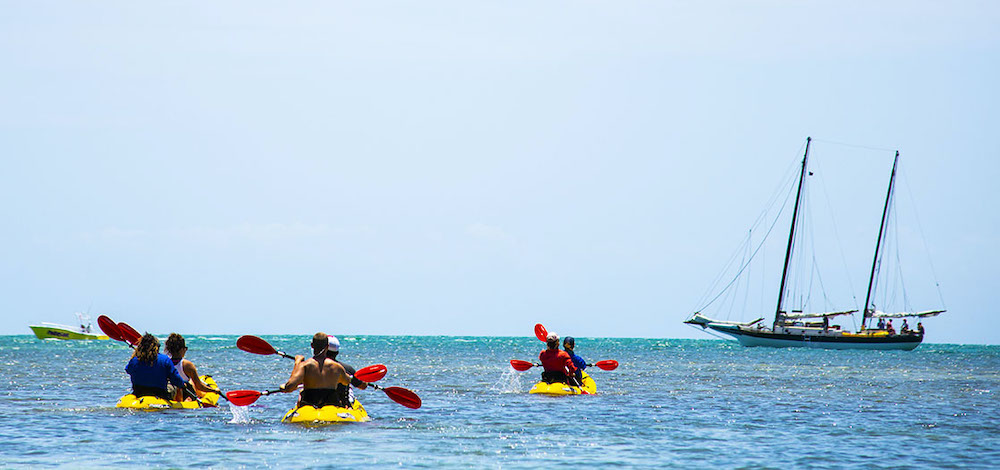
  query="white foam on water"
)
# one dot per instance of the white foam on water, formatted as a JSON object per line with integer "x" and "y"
{"x": 509, "y": 382}
{"x": 241, "y": 414}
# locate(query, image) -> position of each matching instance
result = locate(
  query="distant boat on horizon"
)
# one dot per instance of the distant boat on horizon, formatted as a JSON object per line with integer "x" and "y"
{"x": 47, "y": 330}
{"x": 793, "y": 329}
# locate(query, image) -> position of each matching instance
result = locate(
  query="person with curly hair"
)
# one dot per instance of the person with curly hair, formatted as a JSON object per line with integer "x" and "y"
{"x": 150, "y": 370}
{"x": 176, "y": 348}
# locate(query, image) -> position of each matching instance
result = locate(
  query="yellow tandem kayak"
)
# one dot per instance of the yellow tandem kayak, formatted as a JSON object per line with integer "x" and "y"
{"x": 210, "y": 400}
{"x": 559, "y": 388}
{"x": 309, "y": 414}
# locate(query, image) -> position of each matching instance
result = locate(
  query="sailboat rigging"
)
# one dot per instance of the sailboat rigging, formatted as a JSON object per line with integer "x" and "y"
{"x": 790, "y": 329}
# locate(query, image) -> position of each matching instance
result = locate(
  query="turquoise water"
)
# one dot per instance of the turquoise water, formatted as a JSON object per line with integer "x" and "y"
{"x": 671, "y": 404}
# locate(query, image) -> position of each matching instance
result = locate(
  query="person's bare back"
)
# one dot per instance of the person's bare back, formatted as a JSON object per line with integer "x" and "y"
{"x": 317, "y": 372}
{"x": 327, "y": 374}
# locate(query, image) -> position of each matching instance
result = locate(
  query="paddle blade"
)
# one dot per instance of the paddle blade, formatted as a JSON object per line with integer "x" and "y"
{"x": 129, "y": 333}
{"x": 371, "y": 373}
{"x": 520, "y": 365}
{"x": 540, "y": 332}
{"x": 110, "y": 328}
{"x": 242, "y": 397}
{"x": 608, "y": 364}
{"x": 255, "y": 345}
{"x": 403, "y": 397}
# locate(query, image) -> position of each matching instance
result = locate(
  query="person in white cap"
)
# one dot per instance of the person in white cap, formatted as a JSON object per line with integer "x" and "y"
{"x": 557, "y": 364}
{"x": 346, "y": 396}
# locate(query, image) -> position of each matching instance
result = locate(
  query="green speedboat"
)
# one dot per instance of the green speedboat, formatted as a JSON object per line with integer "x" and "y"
{"x": 57, "y": 331}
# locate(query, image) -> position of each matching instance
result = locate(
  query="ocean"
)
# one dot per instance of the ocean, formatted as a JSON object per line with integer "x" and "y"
{"x": 670, "y": 404}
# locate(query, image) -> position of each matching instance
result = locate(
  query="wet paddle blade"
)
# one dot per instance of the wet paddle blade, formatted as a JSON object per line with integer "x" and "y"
{"x": 110, "y": 328}
{"x": 608, "y": 364}
{"x": 540, "y": 332}
{"x": 371, "y": 373}
{"x": 129, "y": 333}
{"x": 242, "y": 397}
{"x": 403, "y": 397}
{"x": 520, "y": 365}
{"x": 255, "y": 345}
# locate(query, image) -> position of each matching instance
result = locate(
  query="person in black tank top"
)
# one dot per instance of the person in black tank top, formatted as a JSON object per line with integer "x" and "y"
{"x": 343, "y": 391}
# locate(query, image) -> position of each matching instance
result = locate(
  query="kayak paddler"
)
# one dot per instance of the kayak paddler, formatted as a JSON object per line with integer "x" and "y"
{"x": 344, "y": 395}
{"x": 150, "y": 370}
{"x": 176, "y": 348}
{"x": 319, "y": 376}
{"x": 557, "y": 364}
{"x": 568, "y": 345}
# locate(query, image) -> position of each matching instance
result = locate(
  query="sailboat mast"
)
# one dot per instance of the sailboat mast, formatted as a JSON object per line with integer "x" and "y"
{"x": 791, "y": 236}
{"x": 878, "y": 242}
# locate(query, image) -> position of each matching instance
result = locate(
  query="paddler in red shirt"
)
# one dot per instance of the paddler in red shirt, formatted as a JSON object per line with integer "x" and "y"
{"x": 557, "y": 364}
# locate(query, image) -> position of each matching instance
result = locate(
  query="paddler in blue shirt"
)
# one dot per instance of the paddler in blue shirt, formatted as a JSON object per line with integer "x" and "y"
{"x": 150, "y": 370}
{"x": 568, "y": 344}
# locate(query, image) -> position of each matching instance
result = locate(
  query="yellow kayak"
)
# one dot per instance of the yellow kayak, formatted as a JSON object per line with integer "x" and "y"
{"x": 327, "y": 414}
{"x": 210, "y": 399}
{"x": 559, "y": 388}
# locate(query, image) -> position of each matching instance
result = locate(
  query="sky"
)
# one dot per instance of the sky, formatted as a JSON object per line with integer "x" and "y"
{"x": 472, "y": 168}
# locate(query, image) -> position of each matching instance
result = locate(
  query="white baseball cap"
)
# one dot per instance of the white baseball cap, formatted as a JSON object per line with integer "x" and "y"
{"x": 334, "y": 345}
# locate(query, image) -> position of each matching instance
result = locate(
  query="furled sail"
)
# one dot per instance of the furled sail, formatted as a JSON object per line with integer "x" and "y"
{"x": 797, "y": 316}
{"x": 699, "y": 319}
{"x": 924, "y": 314}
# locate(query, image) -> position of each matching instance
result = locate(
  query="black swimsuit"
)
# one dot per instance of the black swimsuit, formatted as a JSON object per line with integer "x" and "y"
{"x": 143, "y": 391}
{"x": 320, "y": 397}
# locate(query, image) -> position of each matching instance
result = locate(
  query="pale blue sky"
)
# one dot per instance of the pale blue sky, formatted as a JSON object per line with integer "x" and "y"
{"x": 468, "y": 168}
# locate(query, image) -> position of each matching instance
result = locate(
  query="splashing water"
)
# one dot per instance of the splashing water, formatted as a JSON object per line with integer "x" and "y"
{"x": 509, "y": 382}
{"x": 241, "y": 414}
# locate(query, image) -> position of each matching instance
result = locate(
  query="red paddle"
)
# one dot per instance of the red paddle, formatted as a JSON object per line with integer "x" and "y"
{"x": 372, "y": 373}
{"x": 246, "y": 397}
{"x": 607, "y": 364}
{"x": 540, "y": 332}
{"x": 255, "y": 345}
{"x": 521, "y": 365}
{"x": 110, "y": 328}
{"x": 398, "y": 394}
{"x": 129, "y": 333}
{"x": 401, "y": 395}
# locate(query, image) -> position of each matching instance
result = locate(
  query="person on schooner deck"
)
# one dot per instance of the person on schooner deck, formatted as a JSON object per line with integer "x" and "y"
{"x": 881, "y": 323}
{"x": 889, "y": 328}
{"x": 920, "y": 328}
{"x": 557, "y": 365}
{"x": 905, "y": 329}
{"x": 568, "y": 345}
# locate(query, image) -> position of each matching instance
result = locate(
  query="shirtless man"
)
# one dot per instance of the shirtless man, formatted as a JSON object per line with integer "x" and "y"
{"x": 318, "y": 375}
